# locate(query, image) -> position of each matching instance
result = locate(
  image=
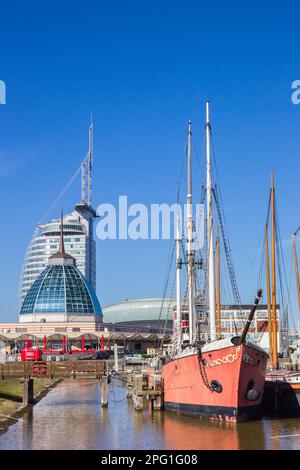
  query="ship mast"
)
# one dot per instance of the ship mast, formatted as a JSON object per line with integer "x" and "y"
{"x": 274, "y": 319}
{"x": 178, "y": 287}
{"x": 190, "y": 248}
{"x": 296, "y": 265}
{"x": 218, "y": 259}
{"x": 270, "y": 329}
{"x": 210, "y": 232}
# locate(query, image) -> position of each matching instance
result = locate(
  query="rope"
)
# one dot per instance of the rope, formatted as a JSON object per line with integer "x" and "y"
{"x": 168, "y": 311}
{"x": 167, "y": 281}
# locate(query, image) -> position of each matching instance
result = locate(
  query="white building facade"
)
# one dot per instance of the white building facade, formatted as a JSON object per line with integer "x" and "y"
{"x": 79, "y": 242}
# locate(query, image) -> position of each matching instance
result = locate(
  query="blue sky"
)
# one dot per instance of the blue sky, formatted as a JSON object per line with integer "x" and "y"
{"x": 143, "y": 69}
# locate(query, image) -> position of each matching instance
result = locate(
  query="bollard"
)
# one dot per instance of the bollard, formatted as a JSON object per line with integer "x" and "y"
{"x": 98, "y": 371}
{"x": 129, "y": 387}
{"x": 28, "y": 392}
{"x": 51, "y": 370}
{"x": 116, "y": 365}
{"x": 73, "y": 369}
{"x": 157, "y": 402}
{"x": 104, "y": 396}
{"x": 138, "y": 393}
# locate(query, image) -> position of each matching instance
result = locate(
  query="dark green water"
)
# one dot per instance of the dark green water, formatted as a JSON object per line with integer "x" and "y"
{"x": 71, "y": 417}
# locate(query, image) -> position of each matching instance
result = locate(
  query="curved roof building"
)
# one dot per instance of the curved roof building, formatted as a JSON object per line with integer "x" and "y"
{"x": 60, "y": 293}
{"x": 140, "y": 310}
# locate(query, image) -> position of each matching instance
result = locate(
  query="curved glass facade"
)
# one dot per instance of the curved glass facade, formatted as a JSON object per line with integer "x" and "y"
{"x": 79, "y": 242}
{"x": 141, "y": 309}
{"x": 61, "y": 289}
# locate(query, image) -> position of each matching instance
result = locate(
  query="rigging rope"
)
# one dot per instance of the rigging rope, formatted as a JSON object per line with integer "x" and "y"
{"x": 171, "y": 256}
{"x": 168, "y": 311}
{"x": 227, "y": 249}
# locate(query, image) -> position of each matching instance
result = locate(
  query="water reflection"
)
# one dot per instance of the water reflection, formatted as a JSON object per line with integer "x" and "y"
{"x": 71, "y": 417}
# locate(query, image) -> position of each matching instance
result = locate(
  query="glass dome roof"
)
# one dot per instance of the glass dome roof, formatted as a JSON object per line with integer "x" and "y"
{"x": 61, "y": 289}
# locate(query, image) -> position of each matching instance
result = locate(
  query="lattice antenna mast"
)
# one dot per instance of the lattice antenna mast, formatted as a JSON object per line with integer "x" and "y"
{"x": 86, "y": 172}
{"x": 90, "y": 163}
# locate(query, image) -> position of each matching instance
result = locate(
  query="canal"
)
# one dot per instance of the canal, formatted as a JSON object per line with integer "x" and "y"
{"x": 71, "y": 417}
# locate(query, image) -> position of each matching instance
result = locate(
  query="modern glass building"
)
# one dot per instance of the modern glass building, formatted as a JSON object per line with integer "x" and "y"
{"x": 79, "y": 242}
{"x": 60, "y": 293}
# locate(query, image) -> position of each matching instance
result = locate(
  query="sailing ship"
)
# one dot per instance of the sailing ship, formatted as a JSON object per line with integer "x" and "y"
{"x": 221, "y": 378}
{"x": 282, "y": 387}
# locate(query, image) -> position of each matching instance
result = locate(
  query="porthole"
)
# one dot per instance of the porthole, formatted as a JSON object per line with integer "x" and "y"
{"x": 216, "y": 386}
{"x": 251, "y": 393}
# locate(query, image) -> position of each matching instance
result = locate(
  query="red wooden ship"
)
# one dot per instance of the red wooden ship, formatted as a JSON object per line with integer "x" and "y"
{"x": 219, "y": 378}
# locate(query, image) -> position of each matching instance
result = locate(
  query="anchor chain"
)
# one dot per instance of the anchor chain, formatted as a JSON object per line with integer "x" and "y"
{"x": 203, "y": 373}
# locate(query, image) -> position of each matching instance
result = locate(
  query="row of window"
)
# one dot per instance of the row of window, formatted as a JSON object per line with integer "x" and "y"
{"x": 57, "y": 227}
{"x": 28, "y": 271}
{"x": 36, "y": 244}
{"x": 37, "y": 265}
{"x": 57, "y": 330}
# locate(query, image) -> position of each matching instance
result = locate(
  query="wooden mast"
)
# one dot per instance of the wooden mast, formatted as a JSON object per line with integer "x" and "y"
{"x": 218, "y": 285}
{"x": 270, "y": 329}
{"x": 296, "y": 266}
{"x": 274, "y": 318}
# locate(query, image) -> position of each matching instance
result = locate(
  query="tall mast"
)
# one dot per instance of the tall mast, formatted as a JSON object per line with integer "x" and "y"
{"x": 178, "y": 287}
{"x": 190, "y": 248}
{"x": 86, "y": 172}
{"x": 90, "y": 163}
{"x": 274, "y": 319}
{"x": 296, "y": 266}
{"x": 218, "y": 259}
{"x": 85, "y": 210}
{"x": 210, "y": 233}
{"x": 270, "y": 329}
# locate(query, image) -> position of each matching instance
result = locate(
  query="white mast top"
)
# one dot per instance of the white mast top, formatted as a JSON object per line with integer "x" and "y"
{"x": 210, "y": 232}
{"x": 190, "y": 248}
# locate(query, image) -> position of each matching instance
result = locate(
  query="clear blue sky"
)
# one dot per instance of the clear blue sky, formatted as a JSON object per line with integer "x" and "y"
{"x": 144, "y": 68}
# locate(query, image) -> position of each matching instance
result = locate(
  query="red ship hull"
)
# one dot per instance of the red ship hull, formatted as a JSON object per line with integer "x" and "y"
{"x": 225, "y": 383}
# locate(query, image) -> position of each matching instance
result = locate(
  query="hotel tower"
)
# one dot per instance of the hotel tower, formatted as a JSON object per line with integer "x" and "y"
{"x": 78, "y": 234}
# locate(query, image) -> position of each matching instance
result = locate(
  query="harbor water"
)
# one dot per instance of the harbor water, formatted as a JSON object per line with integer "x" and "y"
{"x": 71, "y": 417}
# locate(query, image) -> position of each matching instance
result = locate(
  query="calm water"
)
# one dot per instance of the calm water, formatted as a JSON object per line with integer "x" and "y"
{"x": 71, "y": 417}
